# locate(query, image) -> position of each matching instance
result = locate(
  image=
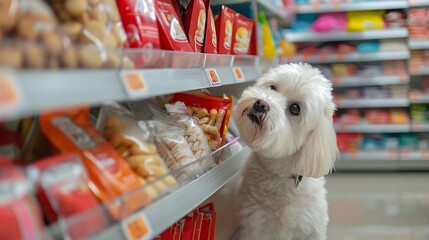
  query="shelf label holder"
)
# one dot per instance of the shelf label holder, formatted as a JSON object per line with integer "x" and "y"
{"x": 134, "y": 83}
{"x": 11, "y": 98}
{"x": 238, "y": 74}
{"x": 137, "y": 227}
{"x": 213, "y": 77}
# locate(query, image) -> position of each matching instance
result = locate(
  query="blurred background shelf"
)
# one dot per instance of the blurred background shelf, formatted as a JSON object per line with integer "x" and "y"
{"x": 267, "y": 6}
{"x": 166, "y": 211}
{"x": 381, "y": 165}
{"x": 418, "y": 3}
{"x": 419, "y": 98}
{"x": 346, "y": 36}
{"x": 418, "y": 44}
{"x": 370, "y": 81}
{"x": 350, "y": 6}
{"x": 367, "y": 103}
{"x": 349, "y": 57}
{"x": 373, "y": 128}
{"x": 369, "y": 155}
{"x": 420, "y": 127}
{"x": 420, "y": 72}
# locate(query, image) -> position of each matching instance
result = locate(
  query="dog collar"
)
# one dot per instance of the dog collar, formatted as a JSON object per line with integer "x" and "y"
{"x": 298, "y": 179}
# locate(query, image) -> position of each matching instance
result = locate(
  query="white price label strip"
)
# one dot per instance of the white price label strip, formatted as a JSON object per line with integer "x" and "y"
{"x": 10, "y": 97}
{"x": 134, "y": 83}
{"x": 137, "y": 227}
{"x": 213, "y": 77}
{"x": 238, "y": 74}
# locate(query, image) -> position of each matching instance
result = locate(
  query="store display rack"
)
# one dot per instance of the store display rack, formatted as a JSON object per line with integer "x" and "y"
{"x": 346, "y": 36}
{"x": 372, "y": 103}
{"x": 370, "y": 81}
{"x": 418, "y": 3}
{"x": 373, "y": 128}
{"x": 418, "y": 44}
{"x": 419, "y": 127}
{"x": 419, "y": 98}
{"x": 349, "y": 57}
{"x": 335, "y": 6}
{"x": 370, "y": 164}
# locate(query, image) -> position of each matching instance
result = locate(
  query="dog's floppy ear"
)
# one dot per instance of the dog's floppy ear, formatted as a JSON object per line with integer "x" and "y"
{"x": 319, "y": 152}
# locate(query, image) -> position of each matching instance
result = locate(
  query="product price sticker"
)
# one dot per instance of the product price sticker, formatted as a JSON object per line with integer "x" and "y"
{"x": 137, "y": 227}
{"x": 11, "y": 99}
{"x": 213, "y": 77}
{"x": 238, "y": 74}
{"x": 134, "y": 83}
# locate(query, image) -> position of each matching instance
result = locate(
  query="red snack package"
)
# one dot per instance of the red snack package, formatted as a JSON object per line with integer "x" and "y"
{"x": 208, "y": 228}
{"x": 20, "y": 216}
{"x": 171, "y": 33}
{"x": 224, "y": 27}
{"x": 10, "y": 144}
{"x": 210, "y": 43}
{"x": 138, "y": 18}
{"x": 63, "y": 191}
{"x": 241, "y": 35}
{"x": 214, "y": 109}
{"x": 195, "y": 24}
{"x": 110, "y": 176}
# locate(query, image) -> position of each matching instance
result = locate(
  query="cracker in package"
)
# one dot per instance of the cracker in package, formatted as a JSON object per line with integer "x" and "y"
{"x": 241, "y": 35}
{"x": 122, "y": 131}
{"x": 110, "y": 175}
{"x": 171, "y": 33}
{"x": 195, "y": 24}
{"x": 213, "y": 114}
{"x": 210, "y": 42}
{"x": 224, "y": 27}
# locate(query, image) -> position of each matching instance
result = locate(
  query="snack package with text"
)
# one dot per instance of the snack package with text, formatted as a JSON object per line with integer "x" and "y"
{"x": 110, "y": 175}
{"x": 62, "y": 190}
{"x": 213, "y": 114}
{"x": 224, "y": 27}
{"x": 241, "y": 35}
{"x": 195, "y": 24}
{"x": 210, "y": 43}
{"x": 171, "y": 33}
{"x": 208, "y": 228}
{"x": 123, "y": 132}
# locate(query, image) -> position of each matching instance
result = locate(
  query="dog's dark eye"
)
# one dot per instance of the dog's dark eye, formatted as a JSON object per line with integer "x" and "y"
{"x": 294, "y": 109}
{"x": 272, "y": 87}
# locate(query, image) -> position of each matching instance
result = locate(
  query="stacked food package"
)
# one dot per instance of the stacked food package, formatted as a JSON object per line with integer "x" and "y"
{"x": 109, "y": 167}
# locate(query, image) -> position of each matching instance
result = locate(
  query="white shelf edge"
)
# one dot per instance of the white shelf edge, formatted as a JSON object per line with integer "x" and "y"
{"x": 380, "y": 165}
{"x": 352, "y": 57}
{"x": 420, "y": 127}
{"x": 343, "y": 36}
{"x": 370, "y": 81}
{"x": 376, "y": 5}
{"x": 163, "y": 213}
{"x": 420, "y": 99}
{"x": 373, "y": 155}
{"x": 373, "y": 128}
{"x": 419, "y": 73}
{"x": 368, "y": 103}
{"x": 419, "y": 3}
{"x": 418, "y": 44}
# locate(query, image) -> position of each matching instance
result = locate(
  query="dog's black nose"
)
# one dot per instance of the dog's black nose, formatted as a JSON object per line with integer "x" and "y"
{"x": 261, "y": 106}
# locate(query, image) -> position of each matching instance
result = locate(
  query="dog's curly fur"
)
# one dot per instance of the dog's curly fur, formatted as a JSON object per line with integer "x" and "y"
{"x": 286, "y": 145}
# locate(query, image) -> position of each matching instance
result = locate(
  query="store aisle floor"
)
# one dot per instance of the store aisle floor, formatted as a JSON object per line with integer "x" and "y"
{"x": 378, "y": 206}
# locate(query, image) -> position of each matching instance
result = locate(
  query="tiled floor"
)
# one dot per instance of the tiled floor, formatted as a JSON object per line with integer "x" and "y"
{"x": 365, "y": 207}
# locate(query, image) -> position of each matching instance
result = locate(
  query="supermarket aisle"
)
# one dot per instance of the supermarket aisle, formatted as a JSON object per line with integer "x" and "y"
{"x": 379, "y": 206}
{"x": 373, "y": 206}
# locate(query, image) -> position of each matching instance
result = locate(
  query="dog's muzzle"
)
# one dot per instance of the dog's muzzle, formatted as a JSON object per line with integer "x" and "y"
{"x": 257, "y": 113}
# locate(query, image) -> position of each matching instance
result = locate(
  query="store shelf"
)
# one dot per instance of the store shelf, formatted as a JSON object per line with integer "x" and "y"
{"x": 351, "y": 57}
{"x": 418, "y": 3}
{"x": 423, "y": 71}
{"x": 368, "y": 103}
{"x": 163, "y": 213}
{"x": 52, "y": 89}
{"x": 373, "y": 128}
{"x": 369, "y": 155}
{"x": 418, "y": 44}
{"x": 419, "y": 98}
{"x": 370, "y": 81}
{"x": 414, "y": 155}
{"x": 267, "y": 6}
{"x": 420, "y": 127}
{"x": 381, "y": 165}
{"x": 350, "y": 6}
{"x": 346, "y": 36}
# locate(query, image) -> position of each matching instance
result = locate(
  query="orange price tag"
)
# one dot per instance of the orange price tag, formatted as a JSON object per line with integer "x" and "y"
{"x": 134, "y": 83}
{"x": 324, "y": 56}
{"x": 353, "y": 154}
{"x": 298, "y": 7}
{"x": 315, "y": 6}
{"x": 336, "y": 80}
{"x": 405, "y": 154}
{"x": 417, "y": 126}
{"x": 10, "y": 97}
{"x": 306, "y": 57}
{"x": 338, "y": 101}
{"x": 414, "y": 96}
{"x": 336, "y": 5}
{"x": 392, "y": 154}
{"x": 340, "y": 56}
{"x": 213, "y": 77}
{"x": 136, "y": 227}
{"x": 425, "y": 155}
{"x": 238, "y": 74}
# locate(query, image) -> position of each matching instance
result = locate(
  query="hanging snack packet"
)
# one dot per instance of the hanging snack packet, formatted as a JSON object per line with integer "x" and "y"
{"x": 241, "y": 35}
{"x": 210, "y": 41}
{"x": 224, "y": 27}
{"x": 110, "y": 176}
{"x": 213, "y": 114}
{"x": 195, "y": 24}
{"x": 122, "y": 131}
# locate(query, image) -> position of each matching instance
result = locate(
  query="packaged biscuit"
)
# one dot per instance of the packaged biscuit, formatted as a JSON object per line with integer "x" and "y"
{"x": 241, "y": 35}
{"x": 172, "y": 35}
{"x": 224, "y": 27}
{"x": 195, "y": 24}
{"x": 210, "y": 42}
{"x": 109, "y": 174}
{"x": 213, "y": 114}
{"x": 138, "y": 18}
{"x": 122, "y": 131}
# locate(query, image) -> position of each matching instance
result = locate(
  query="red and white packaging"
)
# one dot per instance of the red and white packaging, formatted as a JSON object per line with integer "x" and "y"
{"x": 210, "y": 43}
{"x": 195, "y": 24}
{"x": 242, "y": 35}
{"x": 224, "y": 29}
{"x": 172, "y": 36}
{"x": 139, "y": 21}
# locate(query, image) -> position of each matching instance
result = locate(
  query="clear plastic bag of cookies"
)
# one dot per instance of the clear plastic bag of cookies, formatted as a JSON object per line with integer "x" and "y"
{"x": 122, "y": 131}
{"x": 95, "y": 27}
{"x": 30, "y": 36}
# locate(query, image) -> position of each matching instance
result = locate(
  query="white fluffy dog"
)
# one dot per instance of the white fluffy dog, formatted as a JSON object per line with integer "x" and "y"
{"x": 286, "y": 119}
